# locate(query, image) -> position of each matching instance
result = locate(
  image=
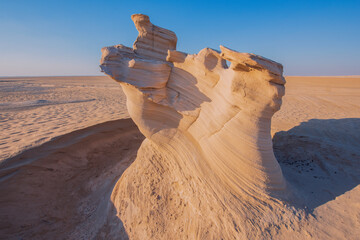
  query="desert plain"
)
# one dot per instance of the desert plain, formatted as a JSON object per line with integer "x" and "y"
{"x": 65, "y": 142}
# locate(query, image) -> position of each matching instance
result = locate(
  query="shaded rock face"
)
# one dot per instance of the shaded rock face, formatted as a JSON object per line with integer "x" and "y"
{"x": 207, "y": 168}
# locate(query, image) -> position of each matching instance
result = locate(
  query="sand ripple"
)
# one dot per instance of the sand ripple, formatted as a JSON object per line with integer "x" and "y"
{"x": 35, "y": 110}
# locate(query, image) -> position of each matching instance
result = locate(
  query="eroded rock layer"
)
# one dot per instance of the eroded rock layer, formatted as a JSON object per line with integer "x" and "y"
{"x": 206, "y": 169}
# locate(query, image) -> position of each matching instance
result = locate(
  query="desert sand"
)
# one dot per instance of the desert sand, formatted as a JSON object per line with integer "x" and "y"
{"x": 33, "y": 110}
{"x": 65, "y": 192}
{"x": 220, "y": 160}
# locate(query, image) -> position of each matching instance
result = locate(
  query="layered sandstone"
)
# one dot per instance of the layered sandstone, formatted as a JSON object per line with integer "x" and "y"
{"x": 206, "y": 168}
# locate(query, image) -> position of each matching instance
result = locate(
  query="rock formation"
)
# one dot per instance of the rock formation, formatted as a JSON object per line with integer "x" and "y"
{"x": 206, "y": 169}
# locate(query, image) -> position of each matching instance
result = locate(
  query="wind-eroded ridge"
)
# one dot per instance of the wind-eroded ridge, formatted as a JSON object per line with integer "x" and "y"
{"x": 208, "y": 152}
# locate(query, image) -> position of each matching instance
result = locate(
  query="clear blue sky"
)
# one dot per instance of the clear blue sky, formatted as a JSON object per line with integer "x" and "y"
{"x": 46, "y": 38}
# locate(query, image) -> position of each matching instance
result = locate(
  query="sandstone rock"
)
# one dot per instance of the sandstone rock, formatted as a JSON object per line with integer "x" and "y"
{"x": 207, "y": 168}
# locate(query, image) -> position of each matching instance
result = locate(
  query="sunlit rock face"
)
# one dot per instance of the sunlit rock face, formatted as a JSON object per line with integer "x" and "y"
{"x": 206, "y": 169}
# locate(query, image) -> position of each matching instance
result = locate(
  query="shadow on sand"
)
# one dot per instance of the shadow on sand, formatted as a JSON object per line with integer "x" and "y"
{"x": 65, "y": 192}
{"x": 320, "y": 158}
{"x": 62, "y": 189}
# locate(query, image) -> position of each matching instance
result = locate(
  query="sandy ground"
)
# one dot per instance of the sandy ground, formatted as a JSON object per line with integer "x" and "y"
{"x": 60, "y": 189}
{"x": 317, "y": 98}
{"x": 35, "y": 110}
{"x": 316, "y": 137}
